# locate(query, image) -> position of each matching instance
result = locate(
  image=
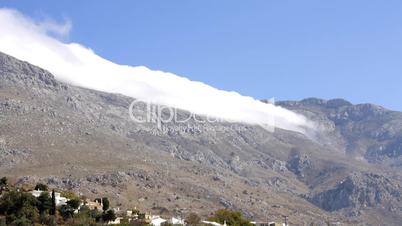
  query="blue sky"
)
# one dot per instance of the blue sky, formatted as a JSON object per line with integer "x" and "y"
{"x": 282, "y": 49}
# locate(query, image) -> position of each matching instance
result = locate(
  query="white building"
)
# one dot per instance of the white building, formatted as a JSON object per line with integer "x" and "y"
{"x": 157, "y": 221}
{"x": 129, "y": 213}
{"x": 116, "y": 221}
{"x": 60, "y": 200}
{"x": 36, "y": 193}
{"x": 177, "y": 221}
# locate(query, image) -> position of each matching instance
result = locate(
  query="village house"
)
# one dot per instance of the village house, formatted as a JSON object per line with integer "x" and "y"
{"x": 177, "y": 221}
{"x": 129, "y": 213}
{"x": 135, "y": 215}
{"x": 60, "y": 200}
{"x": 93, "y": 205}
{"x": 116, "y": 221}
{"x": 157, "y": 221}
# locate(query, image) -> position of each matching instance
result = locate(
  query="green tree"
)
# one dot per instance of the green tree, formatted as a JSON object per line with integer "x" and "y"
{"x": 44, "y": 202}
{"x": 135, "y": 211}
{"x": 21, "y": 222}
{"x": 84, "y": 217}
{"x": 42, "y": 187}
{"x": 232, "y": 218}
{"x": 96, "y": 214}
{"x": 66, "y": 212}
{"x": 18, "y": 205}
{"x": 52, "y": 211}
{"x": 3, "y": 181}
{"x": 108, "y": 216}
{"x": 74, "y": 203}
{"x": 141, "y": 216}
{"x": 3, "y": 184}
{"x": 105, "y": 204}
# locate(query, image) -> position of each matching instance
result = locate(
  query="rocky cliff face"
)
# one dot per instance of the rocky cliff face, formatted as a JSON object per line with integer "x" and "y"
{"x": 365, "y": 131}
{"x": 358, "y": 191}
{"x": 84, "y": 140}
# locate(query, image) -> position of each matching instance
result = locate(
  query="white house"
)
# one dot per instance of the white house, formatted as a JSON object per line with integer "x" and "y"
{"x": 177, "y": 221}
{"x": 93, "y": 205}
{"x": 116, "y": 221}
{"x": 60, "y": 200}
{"x": 157, "y": 221}
{"x": 36, "y": 193}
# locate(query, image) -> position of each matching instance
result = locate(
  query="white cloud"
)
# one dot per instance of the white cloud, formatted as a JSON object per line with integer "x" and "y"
{"x": 50, "y": 26}
{"x": 72, "y": 63}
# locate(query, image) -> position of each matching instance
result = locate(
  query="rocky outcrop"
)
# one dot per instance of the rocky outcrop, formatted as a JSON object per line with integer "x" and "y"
{"x": 18, "y": 71}
{"x": 299, "y": 164}
{"x": 10, "y": 157}
{"x": 359, "y": 190}
{"x": 364, "y": 130}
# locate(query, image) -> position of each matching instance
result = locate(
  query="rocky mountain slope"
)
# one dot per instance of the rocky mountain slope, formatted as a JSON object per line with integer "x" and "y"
{"x": 365, "y": 131}
{"x": 347, "y": 170}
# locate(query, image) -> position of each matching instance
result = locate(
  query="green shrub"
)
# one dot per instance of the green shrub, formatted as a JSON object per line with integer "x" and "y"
{"x": 232, "y": 218}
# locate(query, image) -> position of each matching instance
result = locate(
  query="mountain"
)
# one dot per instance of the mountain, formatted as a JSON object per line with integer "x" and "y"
{"x": 365, "y": 131}
{"x": 346, "y": 170}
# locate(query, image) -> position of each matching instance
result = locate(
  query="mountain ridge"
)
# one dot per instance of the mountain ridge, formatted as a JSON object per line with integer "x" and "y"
{"x": 83, "y": 140}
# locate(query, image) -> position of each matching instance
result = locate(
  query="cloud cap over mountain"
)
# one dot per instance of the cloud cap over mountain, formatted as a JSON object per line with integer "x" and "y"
{"x": 30, "y": 40}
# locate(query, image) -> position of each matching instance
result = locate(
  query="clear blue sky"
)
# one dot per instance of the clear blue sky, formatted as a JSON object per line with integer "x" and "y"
{"x": 282, "y": 49}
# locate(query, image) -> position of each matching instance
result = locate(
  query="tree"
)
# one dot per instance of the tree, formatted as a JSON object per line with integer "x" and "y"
{"x": 84, "y": 217}
{"x": 74, "y": 203}
{"x": 108, "y": 216}
{"x": 42, "y": 187}
{"x": 192, "y": 219}
{"x": 105, "y": 203}
{"x": 232, "y": 218}
{"x": 3, "y": 184}
{"x": 44, "y": 202}
{"x": 66, "y": 212}
{"x": 141, "y": 216}
{"x": 52, "y": 211}
{"x": 3, "y": 181}
{"x": 96, "y": 214}
{"x": 18, "y": 205}
{"x": 21, "y": 222}
{"x": 135, "y": 211}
